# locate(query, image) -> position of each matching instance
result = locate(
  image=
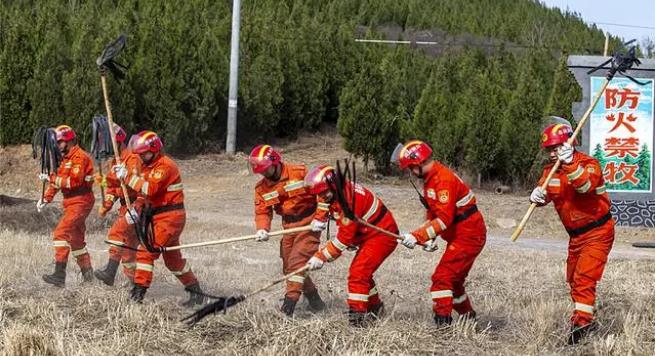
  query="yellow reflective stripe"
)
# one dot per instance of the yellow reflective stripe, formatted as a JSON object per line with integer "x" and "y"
{"x": 272, "y": 195}
{"x": 461, "y": 299}
{"x": 584, "y": 308}
{"x": 80, "y": 252}
{"x": 144, "y": 267}
{"x": 600, "y": 190}
{"x": 438, "y": 294}
{"x": 129, "y": 265}
{"x": 117, "y": 243}
{"x": 373, "y": 291}
{"x": 88, "y": 178}
{"x": 294, "y": 185}
{"x": 58, "y": 182}
{"x": 358, "y": 297}
{"x": 577, "y": 174}
{"x": 431, "y": 233}
{"x": 144, "y": 188}
{"x": 442, "y": 225}
{"x": 467, "y": 198}
{"x": 372, "y": 209}
{"x": 60, "y": 244}
{"x": 584, "y": 188}
{"x": 175, "y": 187}
{"x": 323, "y": 206}
{"x": 297, "y": 278}
{"x": 555, "y": 182}
{"x": 184, "y": 270}
{"x": 68, "y": 182}
{"x": 133, "y": 181}
{"x": 68, "y": 165}
{"x": 338, "y": 244}
{"x": 327, "y": 254}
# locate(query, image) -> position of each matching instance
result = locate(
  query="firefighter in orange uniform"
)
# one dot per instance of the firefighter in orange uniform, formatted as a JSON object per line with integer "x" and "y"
{"x": 578, "y": 192}
{"x": 452, "y": 213}
{"x": 120, "y": 233}
{"x": 282, "y": 190}
{"x": 74, "y": 178}
{"x": 160, "y": 184}
{"x": 373, "y": 247}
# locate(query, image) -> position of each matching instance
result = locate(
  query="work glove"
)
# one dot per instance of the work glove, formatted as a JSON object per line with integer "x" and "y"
{"x": 538, "y": 196}
{"x": 315, "y": 263}
{"x": 318, "y": 225}
{"x": 131, "y": 216}
{"x": 409, "y": 240}
{"x": 40, "y": 205}
{"x": 565, "y": 153}
{"x": 120, "y": 170}
{"x": 431, "y": 246}
{"x": 43, "y": 177}
{"x": 261, "y": 235}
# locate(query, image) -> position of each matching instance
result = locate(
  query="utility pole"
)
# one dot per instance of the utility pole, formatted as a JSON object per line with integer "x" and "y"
{"x": 607, "y": 44}
{"x": 231, "y": 141}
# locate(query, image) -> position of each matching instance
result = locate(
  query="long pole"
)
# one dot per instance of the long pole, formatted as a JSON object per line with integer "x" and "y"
{"x": 230, "y": 146}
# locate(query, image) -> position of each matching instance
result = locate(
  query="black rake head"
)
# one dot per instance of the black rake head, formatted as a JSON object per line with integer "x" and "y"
{"x": 220, "y": 305}
{"x": 621, "y": 63}
{"x": 107, "y": 61}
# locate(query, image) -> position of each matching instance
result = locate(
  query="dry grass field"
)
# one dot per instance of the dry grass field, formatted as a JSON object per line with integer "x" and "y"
{"x": 518, "y": 288}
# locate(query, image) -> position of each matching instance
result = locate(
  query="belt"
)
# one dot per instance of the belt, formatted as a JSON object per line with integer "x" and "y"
{"x": 581, "y": 230}
{"x": 77, "y": 192}
{"x": 166, "y": 208}
{"x": 463, "y": 216}
{"x": 289, "y": 219}
{"x": 381, "y": 214}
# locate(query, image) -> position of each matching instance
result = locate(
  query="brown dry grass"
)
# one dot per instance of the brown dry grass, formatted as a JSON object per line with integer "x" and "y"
{"x": 519, "y": 293}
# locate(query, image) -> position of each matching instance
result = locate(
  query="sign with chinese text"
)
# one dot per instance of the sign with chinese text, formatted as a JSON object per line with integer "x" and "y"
{"x": 621, "y": 134}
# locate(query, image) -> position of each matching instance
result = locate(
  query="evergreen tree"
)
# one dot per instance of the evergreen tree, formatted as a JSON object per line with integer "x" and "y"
{"x": 564, "y": 93}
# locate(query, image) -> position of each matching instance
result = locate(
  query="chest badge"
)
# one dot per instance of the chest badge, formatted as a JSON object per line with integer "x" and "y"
{"x": 432, "y": 194}
{"x": 444, "y": 196}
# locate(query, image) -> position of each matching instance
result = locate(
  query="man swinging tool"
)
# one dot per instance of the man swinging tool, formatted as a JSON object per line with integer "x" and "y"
{"x": 452, "y": 213}
{"x": 577, "y": 189}
{"x": 160, "y": 184}
{"x": 120, "y": 233}
{"x": 282, "y": 190}
{"x": 374, "y": 246}
{"x": 74, "y": 179}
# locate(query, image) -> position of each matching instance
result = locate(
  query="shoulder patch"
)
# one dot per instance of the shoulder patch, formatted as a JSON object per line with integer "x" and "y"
{"x": 591, "y": 169}
{"x": 157, "y": 174}
{"x": 431, "y": 194}
{"x": 444, "y": 196}
{"x": 76, "y": 169}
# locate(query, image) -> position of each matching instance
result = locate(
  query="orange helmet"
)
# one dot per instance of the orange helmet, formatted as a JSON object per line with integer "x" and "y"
{"x": 262, "y": 157}
{"x": 319, "y": 179}
{"x": 556, "y": 134}
{"x": 413, "y": 153}
{"x": 64, "y": 133}
{"x": 121, "y": 136}
{"x": 146, "y": 141}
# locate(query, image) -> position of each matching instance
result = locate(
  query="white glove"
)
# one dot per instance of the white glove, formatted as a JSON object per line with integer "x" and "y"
{"x": 431, "y": 246}
{"x": 120, "y": 170}
{"x": 318, "y": 226}
{"x": 261, "y": 235}
{"x": 538, "y": 196}
{"x": 565, "y": 153}
{"x": 40, "y": 205}
{"x": 409, "y": 240}
{"x": 44, "y": 177}
{"x": 131, "y": 216}
{"x": 315, "y": 263}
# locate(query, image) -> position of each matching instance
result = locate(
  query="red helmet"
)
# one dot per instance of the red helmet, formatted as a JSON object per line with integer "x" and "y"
{"x": 64, "y": 133}
{"x": 413, "y": 153}
{"x": 262, "y": 157}
{"x": 556, "y": 134}
{"x": 146, "y": 141}
{"x": 121, "y": 136}
{"x": 319, "y": 179}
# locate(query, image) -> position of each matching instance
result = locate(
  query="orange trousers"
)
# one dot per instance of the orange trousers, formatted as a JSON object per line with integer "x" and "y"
{"x": 124, "y": 234}
{"x": 584, "y": 268}
{"x": 295, "y": 251}
{"x": 447, "y": 289}
{"x": 69, "y": 233}
{"x": 168, "y": 227}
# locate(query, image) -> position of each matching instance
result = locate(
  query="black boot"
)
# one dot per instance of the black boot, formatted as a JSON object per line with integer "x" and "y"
{"x": 316, "y": 304}
{"x": 196, "y": 296}
{"x": 108, "y": 274}
{"x": 579, "y": 332}
{"x": 358, "y": 319}
{"x": 87, "y": 276}
{"x": 58, "y": 278}
{"x": 138, "y": 293}
{"x": 377, "y": 310}
{"x": 288, "y": 306}
{"x": 443, "y": 320}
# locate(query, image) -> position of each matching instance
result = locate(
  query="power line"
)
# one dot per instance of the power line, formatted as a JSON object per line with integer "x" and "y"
{"x": 623, "y": 25}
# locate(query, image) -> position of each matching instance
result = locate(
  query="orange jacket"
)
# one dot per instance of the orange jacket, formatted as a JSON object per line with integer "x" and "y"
{"x": 114, "y": 192}
{"x": 288, "y": 197}
{"x": 452, "y": 207}
{"x": 369, "y": 208}
{"x": 159, "y": 183}
{"x": 75, "y": 175}
{"x": 578, "y": 191}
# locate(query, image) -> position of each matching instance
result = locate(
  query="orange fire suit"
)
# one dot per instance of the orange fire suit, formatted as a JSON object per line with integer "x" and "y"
{"x": 74, "y": 178}
{"x": 160, "y": 184}
{"x": 121, "y": 233}
{"x": 374, "y": 246}
{"x": 452, "y": 214}
{"x": 578, "y": 192}
{"x": 289, "y": 198}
